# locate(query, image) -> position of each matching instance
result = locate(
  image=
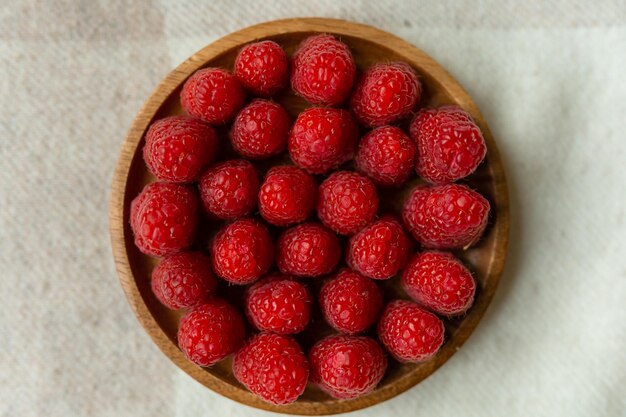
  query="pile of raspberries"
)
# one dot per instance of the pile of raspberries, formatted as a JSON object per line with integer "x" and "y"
{"x": 303, "y": 219}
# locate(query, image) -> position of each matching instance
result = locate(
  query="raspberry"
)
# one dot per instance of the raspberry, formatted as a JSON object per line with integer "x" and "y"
{"x": 446, "y": 216}
{"x": 323, "y": 70}
{"x": 164, "y": 218}
{"x": 273, "y": 367}
{"x": 347, "y": 366}
{"x": 242, "y": 251}
{"x": 213, "y": 95}
{"x": 260, "y": 130}
{"x": 287, "y": 195}
{"x": 183, "y": 280}
{"x": 385, "y": 94}
{"x": 347, "y": 202}
{"x": 279, "y": 304}
{"x": 308, "y": 250}
{"x": 178, "y": 148}
{"x": 386, "y": 155}
{"x": 322, "y": 139}
{"x": 262, "y": 68}
{"x": 450, "y": 144}
{"x": 410, "y": 333}
{"x": 379, "y": 250}
{"x": 229, "y": 190}
{"x": 350, "y": 302}
{"x": 210, "y": 332}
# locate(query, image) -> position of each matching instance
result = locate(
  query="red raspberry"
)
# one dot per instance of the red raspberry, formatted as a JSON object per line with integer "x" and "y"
{"x": 350, "y": 302}
{"x": 273, "y": 367}
{"x": 183, "y": 280}
{"x": 164, "y": 218}
{"x": 279, "y": 304}
{"x": 308, "y": 250}
{"x": 439, "y": 282}
{"x": 229, "y": 190}
{"x": 260, "y": 130}
{"x": 242, "y": 251}
{"x": 385, "y": 94}
{"x": 347, "y": 202}
{"x": 323, "y": 70}
{"x": 386, "y": 155}
{"x": 178, "y": 148}
{"x": 446, "y": 216}
{"x": 347, "y": 366}
{"x": 322, "y": 139}
{"x": 410, "y": 333}
{"x": 213, "y": 95}
{"x": 210, "y": 332}
{"x": 379, "y": 250}
{"x": 287, "y": 195}
{"x": 450, "y": 145}
{"x": 262, "y": 68}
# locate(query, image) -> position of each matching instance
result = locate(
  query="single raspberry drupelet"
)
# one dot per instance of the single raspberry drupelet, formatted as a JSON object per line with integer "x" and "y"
{"x": 446, "y": 216}
{"x": 229, "y": 190}
{"x": 178, "y": 148}
{"x": 213, "y": 95}
{"x": 440, "y": 282}
{"x": 260, "y": 130}
{"x": 450, "y": 145}
{"x": 242, "y": 251}
{"x": 164, "y": 218}
{"x": 308, "y": 250}
{"x": 287, "y": 195}
{"x": 350, "y": 302}
{"x": 347, "y": 202}
{"x": 410, "y": 333}
{"x": 183, "y": 280}
{"x": 323, "y": 70}
{"x": 272, "y": 366}
{"x": 385, "y": 93}
{"x": 379, "y": 250}
{"x": 386, "y": 155}
{"x": 347, "y": 366}
{"x": 210, "y": 332}
{"x": 321, "y": 139}
{"x": 262, "y": 68}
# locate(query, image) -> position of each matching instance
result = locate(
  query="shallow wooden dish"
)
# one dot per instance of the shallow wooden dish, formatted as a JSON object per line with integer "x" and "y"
{"x": 369, "y": 45}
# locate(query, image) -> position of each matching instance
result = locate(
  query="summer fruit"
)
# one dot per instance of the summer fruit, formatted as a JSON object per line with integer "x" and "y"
{"x": 410, "y": 333}
{"x": 308, "y": 250}
{"x": 178, "y": 148}
{"x": 347, "y": 202}
{"x": 273, "y": 367}
{"x": 164, "y": 218}
{"x": 279, "y": 304}
{"x": 350, "y": 302}
{"x": 229, "y": 189}
{"x": 323, "y": 70}
{"x": 260, "y": 130}
{"x": 347, "y": 366}
{"x": 439, "y": 282}
{"x": 287, "y": 195}
{"x": 262, "y": 68}
{"x": 450, "y": 145}
{"x": 446, "y": 216}
{"x": 183, "y": 280}
{"x": 242, "y": 251}
{"x": 210, "y": 332}
{"x": 385, "y": 93}
{"x": 321, "y": 139}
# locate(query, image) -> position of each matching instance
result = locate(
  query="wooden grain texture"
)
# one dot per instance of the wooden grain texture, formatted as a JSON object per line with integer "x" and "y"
{"x": 369, "y": 45}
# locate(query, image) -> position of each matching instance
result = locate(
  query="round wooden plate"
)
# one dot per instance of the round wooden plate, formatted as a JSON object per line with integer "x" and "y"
{"x": 369, "y": 45}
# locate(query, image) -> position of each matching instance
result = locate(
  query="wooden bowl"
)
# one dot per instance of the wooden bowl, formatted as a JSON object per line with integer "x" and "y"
{"x": 369, "y": 45}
